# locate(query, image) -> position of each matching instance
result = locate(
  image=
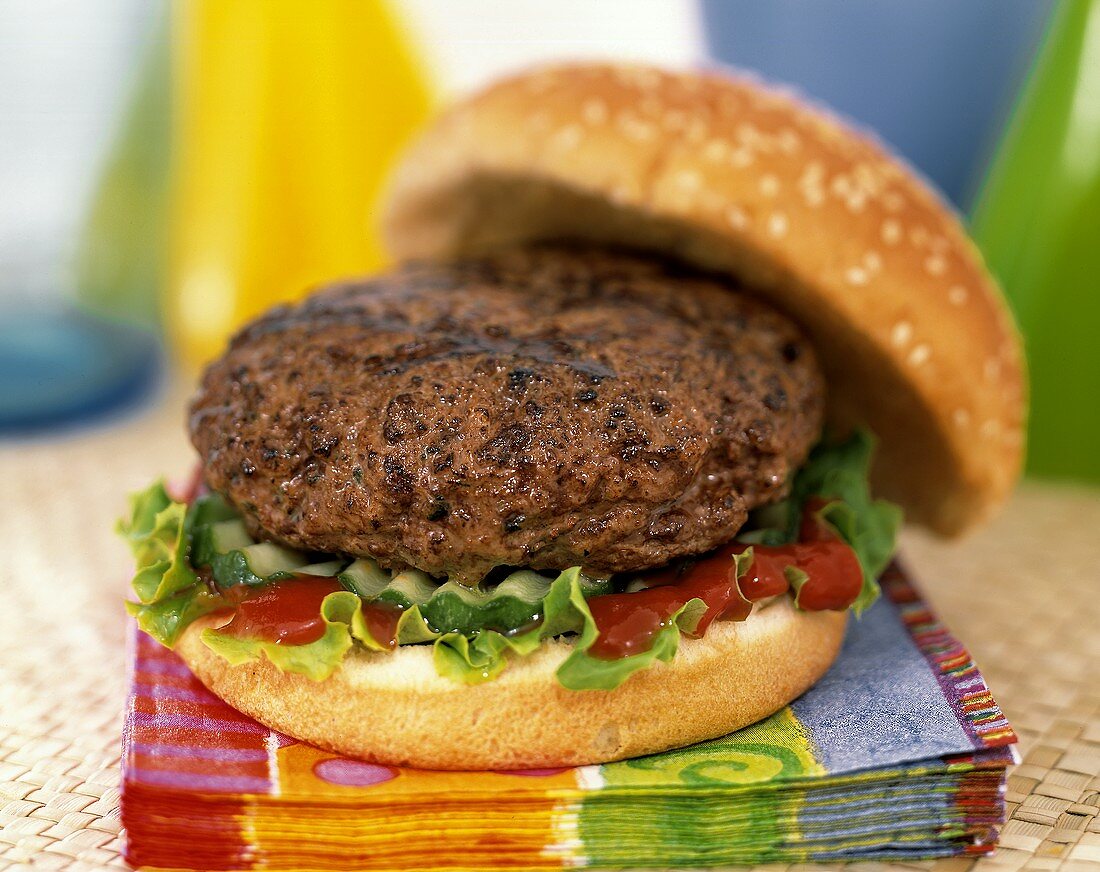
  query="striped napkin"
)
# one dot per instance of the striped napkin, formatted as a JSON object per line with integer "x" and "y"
{"x": 900, "y": 751}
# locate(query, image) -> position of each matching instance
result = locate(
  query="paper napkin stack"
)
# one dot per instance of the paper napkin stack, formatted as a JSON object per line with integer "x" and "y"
{"x": 900, "y": 751}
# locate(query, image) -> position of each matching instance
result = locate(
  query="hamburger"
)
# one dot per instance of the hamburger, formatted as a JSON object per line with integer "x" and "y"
{"x": 603, "y": 465}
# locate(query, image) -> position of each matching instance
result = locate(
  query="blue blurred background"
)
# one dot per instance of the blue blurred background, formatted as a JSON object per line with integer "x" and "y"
{"x": 936, "y": 78}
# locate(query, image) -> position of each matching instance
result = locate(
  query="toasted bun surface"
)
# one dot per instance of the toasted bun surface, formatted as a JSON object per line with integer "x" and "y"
{"x": 729, "y": 176}
{"x": 394, "y": 708}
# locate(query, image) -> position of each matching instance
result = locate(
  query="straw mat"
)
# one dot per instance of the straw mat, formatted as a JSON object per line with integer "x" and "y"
{"x": 1023, "y": 595}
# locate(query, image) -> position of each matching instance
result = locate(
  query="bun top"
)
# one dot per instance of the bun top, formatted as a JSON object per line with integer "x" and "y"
{"x": 742, "y": 180}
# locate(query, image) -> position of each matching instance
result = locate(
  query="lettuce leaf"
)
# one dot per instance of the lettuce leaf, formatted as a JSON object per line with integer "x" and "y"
{"x": 838, "y": 472}
{"x": 470, "y": 660}
{"x": 467, "y": 658}
{"x": 158, "y": 534}
{"x": 167, "y": 618}
{"x": 170, "y": 595}
{"x": 483, "y": 656}
{"x": 582, "y": 671}
{"x": 166, "y": 537}
{"x": 316, "y": 660}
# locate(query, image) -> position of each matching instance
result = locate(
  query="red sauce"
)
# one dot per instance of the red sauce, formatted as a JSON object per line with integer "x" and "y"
{"x": 286, "y": 613}
{"x": 628, "y": 622}
{"x": 382, "y": 621}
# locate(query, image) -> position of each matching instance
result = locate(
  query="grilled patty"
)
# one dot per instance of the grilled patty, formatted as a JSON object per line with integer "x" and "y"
{"x": 544, "y": 407}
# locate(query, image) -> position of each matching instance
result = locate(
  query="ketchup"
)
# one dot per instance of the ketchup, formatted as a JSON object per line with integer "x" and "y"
{"x": 382, "y": 621}
{"x": 286, "y": 612}
{"x": 628, "y": 622}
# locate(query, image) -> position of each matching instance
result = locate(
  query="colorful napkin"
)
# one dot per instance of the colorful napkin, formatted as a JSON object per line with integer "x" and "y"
{"x": 900, "y": 751}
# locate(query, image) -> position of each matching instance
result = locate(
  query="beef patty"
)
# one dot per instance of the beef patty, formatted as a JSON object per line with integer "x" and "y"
{"x": 544, "y": 407}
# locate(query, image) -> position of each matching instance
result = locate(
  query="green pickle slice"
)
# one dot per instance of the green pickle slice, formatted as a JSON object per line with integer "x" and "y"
{"x": 221, "y": 543}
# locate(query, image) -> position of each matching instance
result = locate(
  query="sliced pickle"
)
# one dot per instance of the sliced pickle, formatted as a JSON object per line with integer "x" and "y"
{"x": 510, "y": 607}
{"x": 221, "y": 542}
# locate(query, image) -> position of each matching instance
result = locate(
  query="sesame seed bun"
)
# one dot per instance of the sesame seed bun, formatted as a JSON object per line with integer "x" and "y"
{"x": 733, "y": 177}
{"x": 393, "y": 708}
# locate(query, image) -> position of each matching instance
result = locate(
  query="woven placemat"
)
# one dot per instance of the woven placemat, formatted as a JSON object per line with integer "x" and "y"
{"x": 1023, "y": 594}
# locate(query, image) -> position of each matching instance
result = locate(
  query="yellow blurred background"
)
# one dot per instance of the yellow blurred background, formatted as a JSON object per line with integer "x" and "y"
{"x": 288, "y": 117}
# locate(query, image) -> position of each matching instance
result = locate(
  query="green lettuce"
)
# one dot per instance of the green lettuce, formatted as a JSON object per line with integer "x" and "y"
{"x": 170, "y": 595}
{"x": 484, "y": 656}
{"x": 582, "y": 671}
{"x": 838, "y": 472}
{"x": 470, "y": 659}
{"x": 157, "y": 532}
{"x": 167, "y": 618}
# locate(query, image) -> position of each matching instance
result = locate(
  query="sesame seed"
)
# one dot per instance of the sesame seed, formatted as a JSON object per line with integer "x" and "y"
{"x": 957, "y": 295}
{"x": 813, "y": 174}
{"x": 689, "y": 83}
{"x": 635, "y": 128}
{"x": 741, "y": 158}
{"x": 769, "y": 185}
{"x": 856, "y": 275}
{"x": 777, "y": 225}
{"x": 789, "y": 141}
{"x": 840, "y": 186}
{"x": 594, "y": 111}
{"x": 737, "y": 218}
{"x": 647, "y": 78}
{"x": 689, "y": 180}
{"x": 747, "y": 133}
{"x": 696, "y": 131}
{"x": 961, "y": 418}
{"x": 813, "y": 196}
{"x": 716, "y": 149}
{"x": 711, "y": 200}
{"x": 990, "y": 428}
{"x": 650, "y": 105}
{"x": 728, "y": 104}
{"x": 936, "y": 264}
{"x": 867, "y": 177}
{"x": 919, "y": 354}
{"x": 568, "y": 138}
{"x": 872, "y": 261}
{"x": 891, "y": 231}
{"x": 901, "y": 334}
{"x": 674, "y": 120}
{"x": 540, "y": 83}
{"x": 539, "y": 120}
{"x": 620, "y": 194}
{"x": 991, "y": 369}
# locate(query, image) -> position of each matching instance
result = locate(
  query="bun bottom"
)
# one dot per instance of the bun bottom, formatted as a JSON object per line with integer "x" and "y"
{"x": 395, "y": 709}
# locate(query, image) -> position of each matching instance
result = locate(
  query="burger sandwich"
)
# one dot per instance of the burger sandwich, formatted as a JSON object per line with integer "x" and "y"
{"x": 603, "y": 466}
